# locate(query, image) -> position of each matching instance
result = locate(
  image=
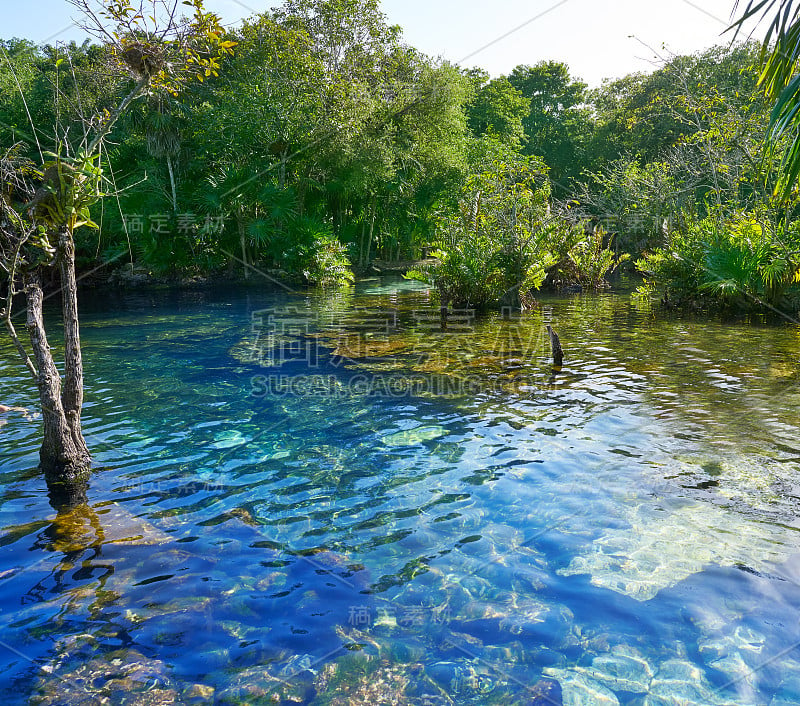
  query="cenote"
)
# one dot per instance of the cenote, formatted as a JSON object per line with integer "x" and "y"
{"x": 323, "y": 498}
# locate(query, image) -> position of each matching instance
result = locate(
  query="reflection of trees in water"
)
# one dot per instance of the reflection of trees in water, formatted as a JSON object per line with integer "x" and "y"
{"x": 78, "y": 533}
{"x": 84, "y": 620}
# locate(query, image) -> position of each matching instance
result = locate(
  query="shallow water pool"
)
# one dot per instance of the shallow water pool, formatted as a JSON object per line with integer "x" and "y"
{"x": 325, "y": 498}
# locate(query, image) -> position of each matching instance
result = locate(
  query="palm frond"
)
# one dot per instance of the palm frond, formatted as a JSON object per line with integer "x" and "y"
{"x": 779, "y": 79}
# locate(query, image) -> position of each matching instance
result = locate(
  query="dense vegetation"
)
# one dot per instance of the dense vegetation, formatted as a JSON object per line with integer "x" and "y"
{"x": 325, "y": 142}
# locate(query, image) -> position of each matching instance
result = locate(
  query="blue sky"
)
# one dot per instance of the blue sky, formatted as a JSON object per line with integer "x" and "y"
{"x": 597, "y": 38}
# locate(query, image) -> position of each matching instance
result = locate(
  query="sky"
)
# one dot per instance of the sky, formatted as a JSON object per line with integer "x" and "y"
{"x": 598, "y": 39}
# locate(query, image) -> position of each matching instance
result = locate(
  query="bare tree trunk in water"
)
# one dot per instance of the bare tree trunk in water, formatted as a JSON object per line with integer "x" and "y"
{"x": 72, "y": 396}
{"x": 64, "y": 457}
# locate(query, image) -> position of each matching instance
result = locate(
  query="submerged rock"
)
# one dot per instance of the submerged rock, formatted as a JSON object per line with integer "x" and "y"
{"x": 198, "y": 694}
{"x": 622, "y": 670}
{"x": 356, "y": 347}
{"x": 228, "y": 439}
{"x": 545, "y": 692}
{"x": 579, "y": 690}
{"x": 359, "y": 682}
{"x": 257, "y": 685}
{"x": 549, "y": 628}
{"x": 412, "y": 437}
{"x": 105, "y": 523}
{"x": 674, "y": 682}
{"x": 119, "y": 677}
{"x": 742, "y": 677}
{"x": 462, "y": 678}
{"x": 682, "y": 683}
{"x": 661, "y": 547}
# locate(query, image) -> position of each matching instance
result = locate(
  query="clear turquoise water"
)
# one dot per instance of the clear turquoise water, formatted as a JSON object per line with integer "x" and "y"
{"x": 300, "y": 498}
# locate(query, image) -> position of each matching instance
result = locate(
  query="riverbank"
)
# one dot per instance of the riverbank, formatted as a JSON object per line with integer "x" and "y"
{"x": 133, "y": 277}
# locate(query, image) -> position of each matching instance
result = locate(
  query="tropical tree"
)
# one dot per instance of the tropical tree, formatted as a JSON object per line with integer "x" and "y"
{"x": 558, "y": 122}
{"x": 337, "y": 143}
{"x": 498, "y": 109}
{"x": 646, "y": 114}
{"x": 159, "y": 120}
{"x": 43, "y": 204}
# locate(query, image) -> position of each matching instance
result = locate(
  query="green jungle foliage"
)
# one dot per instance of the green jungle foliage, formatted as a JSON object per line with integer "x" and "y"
{"x": 325, "y": 142}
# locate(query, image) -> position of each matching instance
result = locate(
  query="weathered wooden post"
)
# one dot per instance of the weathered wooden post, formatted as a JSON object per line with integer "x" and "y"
{"x": 555, "y": 347}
